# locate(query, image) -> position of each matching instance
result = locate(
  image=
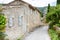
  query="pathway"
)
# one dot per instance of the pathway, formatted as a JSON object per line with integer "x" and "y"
{"x": 39, "y": 34}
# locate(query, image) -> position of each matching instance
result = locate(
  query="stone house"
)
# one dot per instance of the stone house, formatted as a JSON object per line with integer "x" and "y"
{"x": 21, "y": 18}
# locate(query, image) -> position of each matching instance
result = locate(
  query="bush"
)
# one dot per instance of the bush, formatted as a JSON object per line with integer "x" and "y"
{"x": 2, "y": 27}
{"x": 2, "y": 36}
{"x": 58, "y": 25}
{"x": 53, "y": 16}
{"x": 2, "y": 21}
{"x": 2, "y": 18}
{"x": 53, "y": 34}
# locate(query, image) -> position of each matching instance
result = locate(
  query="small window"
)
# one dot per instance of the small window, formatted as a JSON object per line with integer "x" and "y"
{"x": 10, "y": 21}
{"x": 20, "y": 20}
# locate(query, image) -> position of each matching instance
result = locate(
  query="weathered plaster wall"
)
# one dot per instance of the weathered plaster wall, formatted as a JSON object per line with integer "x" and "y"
{"x": 30, "y": 19}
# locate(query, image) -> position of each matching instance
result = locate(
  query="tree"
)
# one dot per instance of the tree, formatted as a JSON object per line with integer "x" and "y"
{"x": 53, "y": 16}
{"x": 58, "y": 1}
{"x": 48, "y": 8}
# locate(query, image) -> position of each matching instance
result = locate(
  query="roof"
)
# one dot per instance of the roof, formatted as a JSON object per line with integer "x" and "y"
{"x": 30, "y": 6}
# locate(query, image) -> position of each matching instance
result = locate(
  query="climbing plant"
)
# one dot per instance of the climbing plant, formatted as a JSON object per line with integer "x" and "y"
{"x": 2, "y": 19}
{"x": 2, "y": 24}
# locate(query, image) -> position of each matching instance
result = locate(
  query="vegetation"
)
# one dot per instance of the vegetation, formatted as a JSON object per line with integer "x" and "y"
{"x": 20, "y": 38}
{"x": 53, "y": 18}
{"x": 2, "y": 24}
{"x": 48, "y": 7}
{"x": 41, "y": 14}
{"x": 2, "y": 19}
{"x": 58, "y": 1}
{"x": 53, "y": 34}
{"x": 2, "y": 36}
{"x": 41, "y": 10}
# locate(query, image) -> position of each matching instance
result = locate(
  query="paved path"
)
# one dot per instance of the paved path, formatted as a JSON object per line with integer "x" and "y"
{"x": 39, "y": 34}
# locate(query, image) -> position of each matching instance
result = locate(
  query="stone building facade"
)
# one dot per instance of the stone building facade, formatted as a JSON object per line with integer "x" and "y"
{"x": 21, "y": 18}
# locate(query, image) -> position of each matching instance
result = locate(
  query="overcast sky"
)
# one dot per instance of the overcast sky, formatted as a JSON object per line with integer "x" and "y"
{"x": 36, "y": 3}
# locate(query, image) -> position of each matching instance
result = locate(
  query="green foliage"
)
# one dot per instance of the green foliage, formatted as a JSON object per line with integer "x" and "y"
{"x": 53, "y": 34}
{"x": 40, "y": 9}
{"x": 58, "y": 25}
{"x": 41, "y": 14}
{"x": 48, "y": 7}
{"x": 2, "y": 21}
{"x": 21, "y": 37}
{"x": 2, "y": 36}
{"x": 58, "y": 1}
{"x": 53, "y": 16}
{"x": 1, "y": 8}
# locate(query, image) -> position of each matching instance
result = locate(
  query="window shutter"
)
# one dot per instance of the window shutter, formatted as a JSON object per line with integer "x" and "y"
{"x": 20, "y": 19}
{"x": 10, "y": 21}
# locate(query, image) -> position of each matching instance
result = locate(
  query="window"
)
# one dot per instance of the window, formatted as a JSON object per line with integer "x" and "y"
{"x": 20, "y": 20}
{"x": 10, "y": 21}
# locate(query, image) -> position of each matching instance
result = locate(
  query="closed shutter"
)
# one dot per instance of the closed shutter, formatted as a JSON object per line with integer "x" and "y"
{"x": 20, "y": 19}
{"x": 11, "y": 21}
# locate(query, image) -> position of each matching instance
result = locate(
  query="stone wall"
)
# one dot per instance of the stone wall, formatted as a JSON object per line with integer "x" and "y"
{"x": 30, "y": 19}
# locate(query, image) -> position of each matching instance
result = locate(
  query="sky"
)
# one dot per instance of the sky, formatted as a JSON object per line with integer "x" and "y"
{"x": 36, "y": 3}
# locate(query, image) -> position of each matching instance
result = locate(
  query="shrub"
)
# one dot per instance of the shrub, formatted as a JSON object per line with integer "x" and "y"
{"x": 2, "y": 21}
{"x": 2, "y": 36}
{"x": 53, "y": 34}
{"x": 53, "y": 16}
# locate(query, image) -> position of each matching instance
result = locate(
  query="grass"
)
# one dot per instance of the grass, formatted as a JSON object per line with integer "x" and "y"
{"x": 53, "y": 34}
